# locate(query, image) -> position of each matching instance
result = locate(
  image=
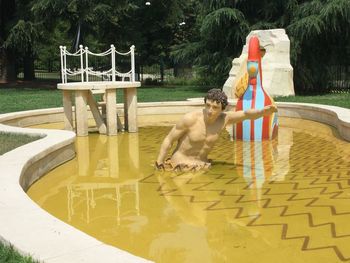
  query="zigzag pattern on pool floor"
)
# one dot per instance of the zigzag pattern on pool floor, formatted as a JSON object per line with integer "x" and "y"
{"x": 325, "y": 186}
{"x": 311, "y": 204}
{"x": 314, "y": 195}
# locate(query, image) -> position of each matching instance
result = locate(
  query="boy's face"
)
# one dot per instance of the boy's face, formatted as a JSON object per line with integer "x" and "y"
{"x": 212, "y": 109}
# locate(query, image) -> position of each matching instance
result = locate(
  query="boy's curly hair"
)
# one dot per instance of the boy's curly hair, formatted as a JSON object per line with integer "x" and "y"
{"x": 217, "y": 95}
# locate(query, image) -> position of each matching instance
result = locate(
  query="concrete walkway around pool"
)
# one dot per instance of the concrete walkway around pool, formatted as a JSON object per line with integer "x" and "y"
{"x": 34, "y": 232}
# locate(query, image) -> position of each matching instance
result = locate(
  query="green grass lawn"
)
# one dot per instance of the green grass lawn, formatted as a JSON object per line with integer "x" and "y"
{"x": 9, "y": 141}
{"x": 20, "y": 99}
{"x": 30, "y": 96}
{"x": 9, "y": 255}
{"x": 335, "y": 99}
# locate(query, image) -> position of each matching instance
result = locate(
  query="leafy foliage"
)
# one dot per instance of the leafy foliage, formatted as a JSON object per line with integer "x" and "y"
{"x": 318, "y": 29}
{"x": 205, "y": 35}
{"x": 86, "y": 20}
{"x": 22, "y": 37}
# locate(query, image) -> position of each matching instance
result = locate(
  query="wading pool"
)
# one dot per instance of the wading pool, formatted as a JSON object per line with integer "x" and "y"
{"x": 285, "y": 200}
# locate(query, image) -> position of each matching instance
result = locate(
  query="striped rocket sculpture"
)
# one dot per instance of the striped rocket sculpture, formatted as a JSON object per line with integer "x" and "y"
{"x": 255, "y": 97}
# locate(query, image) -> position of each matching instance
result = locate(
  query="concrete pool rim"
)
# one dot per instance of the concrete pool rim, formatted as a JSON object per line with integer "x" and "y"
{"x": 32, "y": 231}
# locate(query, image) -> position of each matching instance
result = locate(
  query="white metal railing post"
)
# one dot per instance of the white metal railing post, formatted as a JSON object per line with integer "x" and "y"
{"x": 87, "y": 64}
{"x": 81, "y": 63}
{"x": 62, "y": 75}
{"x": 132, "y": 49}
{"x": 113, "y": 62}
{"x": 65, "y": 64}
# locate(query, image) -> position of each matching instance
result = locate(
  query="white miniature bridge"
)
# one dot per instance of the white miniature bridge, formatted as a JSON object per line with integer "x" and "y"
{"x": 81, "y": 92}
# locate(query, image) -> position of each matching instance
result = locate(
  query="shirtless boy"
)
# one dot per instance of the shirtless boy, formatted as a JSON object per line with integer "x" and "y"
{"x": 197, "y": 132}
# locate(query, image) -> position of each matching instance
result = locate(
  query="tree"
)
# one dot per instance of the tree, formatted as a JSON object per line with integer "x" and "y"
{"x": 92, "y": 23}
{"x": 86, "y": 20}
{"x": 18, "y": 39}
{"x": 318, "y": 30}
{"x": 48, "y": 58}
{"x": 7, "y": 55}
{"x": 153, "y": 28}
{"x": 320, "y": 33}
{"x": 22, "y": 40}
{"x": 220, "y": 32}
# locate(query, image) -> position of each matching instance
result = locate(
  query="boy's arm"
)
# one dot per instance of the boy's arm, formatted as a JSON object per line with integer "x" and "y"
{"x": 176, "y": 133}
{"x": 252, "y": 114}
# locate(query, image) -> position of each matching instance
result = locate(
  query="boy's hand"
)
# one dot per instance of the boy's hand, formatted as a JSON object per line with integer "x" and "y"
{"x": 159, "y": 166}
{"x": 270, "y": 109}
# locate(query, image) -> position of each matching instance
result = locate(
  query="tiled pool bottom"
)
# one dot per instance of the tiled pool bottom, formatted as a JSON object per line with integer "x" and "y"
{"x": 286, "y": 200}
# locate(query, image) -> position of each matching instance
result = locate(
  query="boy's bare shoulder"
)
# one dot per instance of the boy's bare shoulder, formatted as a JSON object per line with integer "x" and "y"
{"x": 191, "y": 118}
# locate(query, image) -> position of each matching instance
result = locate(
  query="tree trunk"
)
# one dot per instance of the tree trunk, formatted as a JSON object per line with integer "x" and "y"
{"x": 49, "y": 66}
{"x": 161, "y": 70}
{"x": 7, "y": 66}
{"x": 28, "y": 67}
{"x": 176, "y": 70}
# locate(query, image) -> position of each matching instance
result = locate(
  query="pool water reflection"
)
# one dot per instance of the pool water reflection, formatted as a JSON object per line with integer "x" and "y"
{"x": 285, "y": 200}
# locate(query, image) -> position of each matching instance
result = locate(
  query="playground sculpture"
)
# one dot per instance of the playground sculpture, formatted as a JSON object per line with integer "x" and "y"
{"x": 251, "y": 95}
{"x": 276, "y": 64}
{"x": 197, "y": 132}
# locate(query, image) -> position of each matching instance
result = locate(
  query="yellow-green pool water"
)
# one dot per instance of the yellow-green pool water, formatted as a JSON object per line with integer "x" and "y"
{"x": 281, "y": 201}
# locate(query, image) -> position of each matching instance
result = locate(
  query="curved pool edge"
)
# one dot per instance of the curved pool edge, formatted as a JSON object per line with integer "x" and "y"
{"x": 30, "y": 229}
{"x": 334, "y": 116}
{"x": 33, "y": 231}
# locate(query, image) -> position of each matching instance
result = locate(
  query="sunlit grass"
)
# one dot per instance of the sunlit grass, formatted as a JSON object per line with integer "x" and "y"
{"x": 335, "y": 99}
{"x": 31, "y": 97}
{"x": 10, "y": 141}
{"x": 20, "y": 99}
{"x": 9, "y": 255}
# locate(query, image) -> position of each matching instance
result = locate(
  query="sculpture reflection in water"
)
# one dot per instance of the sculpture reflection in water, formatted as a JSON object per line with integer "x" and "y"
{"x": 216, "y": 206}
{"x": 105, "y": 175}
{"x": 261, "y": 161}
